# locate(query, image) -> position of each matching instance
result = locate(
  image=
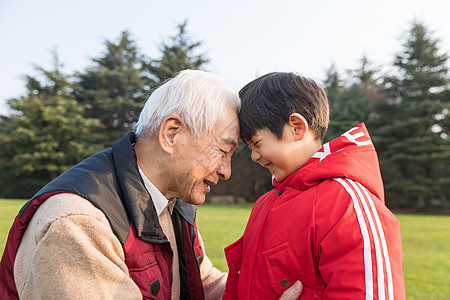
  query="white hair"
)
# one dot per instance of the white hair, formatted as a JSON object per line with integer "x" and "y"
{"x": 198, "y": 97}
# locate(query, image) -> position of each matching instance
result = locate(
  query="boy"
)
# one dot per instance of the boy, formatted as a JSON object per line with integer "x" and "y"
{"x": 325, "y": 222}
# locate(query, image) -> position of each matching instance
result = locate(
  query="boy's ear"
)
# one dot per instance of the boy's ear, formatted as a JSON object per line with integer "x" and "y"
{"x": 299, "y": 126}
{"x": 169, "y": 130}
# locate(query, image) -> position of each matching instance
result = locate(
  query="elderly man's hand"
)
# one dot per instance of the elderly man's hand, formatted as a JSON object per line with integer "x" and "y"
{"x": 293, "y": 292}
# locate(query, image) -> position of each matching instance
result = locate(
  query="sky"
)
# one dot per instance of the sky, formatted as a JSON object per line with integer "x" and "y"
{"x": 243, "y": 39}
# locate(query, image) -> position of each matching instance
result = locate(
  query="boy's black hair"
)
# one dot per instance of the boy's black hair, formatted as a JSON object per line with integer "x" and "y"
{"x": 268, "y": 101}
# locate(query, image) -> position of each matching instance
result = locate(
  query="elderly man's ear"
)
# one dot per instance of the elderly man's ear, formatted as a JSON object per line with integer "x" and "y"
{"x": 169, "y": 132}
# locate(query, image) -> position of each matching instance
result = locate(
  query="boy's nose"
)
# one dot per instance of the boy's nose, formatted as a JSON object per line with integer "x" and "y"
{"x": 255, "y": 155}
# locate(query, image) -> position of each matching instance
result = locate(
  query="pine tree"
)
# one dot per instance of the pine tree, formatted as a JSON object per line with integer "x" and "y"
{"x": 121, "y": 80}
{"x": 352, "y": 103}
{"x": 45, "y": 134}
{"x": 177, "y": 55}
{"x": 115, "y": 87}
{"x": 415, "y": 136}
{"x": 333, "y": 84}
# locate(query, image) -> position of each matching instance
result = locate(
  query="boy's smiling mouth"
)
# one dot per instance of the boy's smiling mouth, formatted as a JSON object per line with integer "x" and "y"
{"x": 269, "y": 166}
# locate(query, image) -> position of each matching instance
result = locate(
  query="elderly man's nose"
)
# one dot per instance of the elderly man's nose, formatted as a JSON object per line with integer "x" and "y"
{"x": 225, "y": 170}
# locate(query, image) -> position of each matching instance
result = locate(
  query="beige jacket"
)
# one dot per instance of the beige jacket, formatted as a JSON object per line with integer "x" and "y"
{"x": 69, "y": 251}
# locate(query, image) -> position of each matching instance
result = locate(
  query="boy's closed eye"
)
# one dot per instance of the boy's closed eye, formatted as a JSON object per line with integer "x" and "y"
{"x": 251, "y": 144}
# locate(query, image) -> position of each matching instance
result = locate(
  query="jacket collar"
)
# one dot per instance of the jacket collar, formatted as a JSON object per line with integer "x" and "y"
{"x": 137, "y": 200}
{"x": 351, "y": 155}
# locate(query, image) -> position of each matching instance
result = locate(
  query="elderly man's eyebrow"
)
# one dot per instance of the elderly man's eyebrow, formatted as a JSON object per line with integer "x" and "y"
{"x": 230, "y": 141}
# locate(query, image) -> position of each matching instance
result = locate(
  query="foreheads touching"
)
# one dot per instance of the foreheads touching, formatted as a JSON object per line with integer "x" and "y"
{"x": 198, "y": 97}
{"x": 268, "y": 102}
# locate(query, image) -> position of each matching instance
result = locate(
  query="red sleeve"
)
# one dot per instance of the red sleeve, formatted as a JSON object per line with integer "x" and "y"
{"x": 358, "y": 244}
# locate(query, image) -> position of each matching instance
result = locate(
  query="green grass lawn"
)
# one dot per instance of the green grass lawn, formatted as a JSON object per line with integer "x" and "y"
{"x": 221, "y": 225}
{"x": 426, "y": 243}
{"x": 426, "y": 256}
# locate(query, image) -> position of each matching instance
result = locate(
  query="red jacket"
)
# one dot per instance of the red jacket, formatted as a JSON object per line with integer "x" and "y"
{"x": 110, "y": 180}
{"x": 325, "y": 225}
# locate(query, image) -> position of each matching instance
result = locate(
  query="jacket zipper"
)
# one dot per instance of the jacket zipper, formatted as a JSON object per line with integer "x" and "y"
{"x": 171, "y": 265}
{"x": 171, "y": 269}
{"x": 196, "y": 261}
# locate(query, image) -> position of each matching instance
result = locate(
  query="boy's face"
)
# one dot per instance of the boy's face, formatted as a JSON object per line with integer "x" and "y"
{"x": 281, "y": 157}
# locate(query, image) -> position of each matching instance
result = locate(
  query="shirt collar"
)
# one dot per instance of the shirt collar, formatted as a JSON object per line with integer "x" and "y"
{"x": 158, "y": 198}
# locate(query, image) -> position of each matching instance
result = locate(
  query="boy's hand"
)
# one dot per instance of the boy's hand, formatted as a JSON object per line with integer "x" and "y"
{"x": 293, "y": 292}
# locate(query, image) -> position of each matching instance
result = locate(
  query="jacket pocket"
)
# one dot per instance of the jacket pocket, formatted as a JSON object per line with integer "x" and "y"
{"x": 146, "y": 273}
{"x": 284, "y": 270}
{"x": 233, "y": 254}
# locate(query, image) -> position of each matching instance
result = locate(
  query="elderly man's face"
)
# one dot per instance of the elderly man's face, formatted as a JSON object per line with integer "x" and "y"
{"x": 205, "y": 160}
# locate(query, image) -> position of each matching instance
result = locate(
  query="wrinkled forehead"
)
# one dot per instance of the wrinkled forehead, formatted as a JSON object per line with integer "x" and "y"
{"x": 230, "y": 135}
{"x": 227, "y": 128}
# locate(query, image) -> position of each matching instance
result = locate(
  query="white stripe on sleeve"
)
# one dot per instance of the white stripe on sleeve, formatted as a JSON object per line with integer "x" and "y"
{"x": 376, "y": 239}
{"x": 383, "y": 244}
{"x": 366, "y": 240}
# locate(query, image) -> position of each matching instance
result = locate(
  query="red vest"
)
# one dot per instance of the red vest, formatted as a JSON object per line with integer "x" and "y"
{"x": 147, "y": 252}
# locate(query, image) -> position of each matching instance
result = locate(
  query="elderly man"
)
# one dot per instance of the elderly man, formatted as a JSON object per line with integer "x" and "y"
{"x": 114, "y": 226}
